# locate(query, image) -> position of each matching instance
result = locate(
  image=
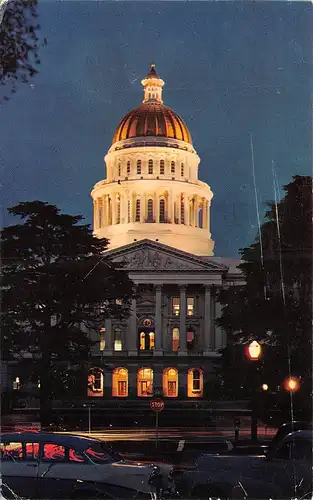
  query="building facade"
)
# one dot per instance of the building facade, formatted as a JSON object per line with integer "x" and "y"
{"x": 155, "y": 212}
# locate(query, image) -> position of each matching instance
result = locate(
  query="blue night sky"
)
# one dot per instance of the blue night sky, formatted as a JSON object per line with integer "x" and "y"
{"x": 230, "y": 69}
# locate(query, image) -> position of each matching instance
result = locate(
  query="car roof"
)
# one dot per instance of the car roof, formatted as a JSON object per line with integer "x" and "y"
{"x": 301, "y": 434}
{"x": 79, "y": 442}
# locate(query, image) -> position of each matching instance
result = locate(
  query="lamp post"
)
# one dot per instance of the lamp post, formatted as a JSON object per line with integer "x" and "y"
{"x": 253, "y": 353}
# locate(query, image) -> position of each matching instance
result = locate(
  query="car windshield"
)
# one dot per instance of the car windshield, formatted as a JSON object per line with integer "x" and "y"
{"x": 99, "y": 453}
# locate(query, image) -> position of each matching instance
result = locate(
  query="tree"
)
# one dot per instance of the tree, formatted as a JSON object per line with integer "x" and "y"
{"x": 57, "y": 288}
{"x": 275, "y": 304}
{"x": 19, "y": 42}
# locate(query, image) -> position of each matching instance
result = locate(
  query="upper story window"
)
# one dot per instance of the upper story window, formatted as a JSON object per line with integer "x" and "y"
{"x": 118, "y": 211}
{"x": 128, "y": 167}
{"x": 190, "y": 339}
{"x": 190, "y": 306}
{"x": 175, "y": 306}
{"x": 172, "y": 167}
{"x": 138, "y": 166}
{"x": 102, "y": 339}
{"x": 150, "y": 211}
{"x": 182, "y": 170}
{"x": 195, "y": 383}
{"x": 182, "y": 211}
{"x": 119, "y": 169}
{"x": 175, "y": 339}
{"x": 128, "y": 211}
{"x": 118, "y": 339}
{"x": 150, "y": 167}
{"x": 162, "y": 167}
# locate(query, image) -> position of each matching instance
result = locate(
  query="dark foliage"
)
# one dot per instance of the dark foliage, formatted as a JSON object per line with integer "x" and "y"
{"x": 19, "y": 43}
{"x": 57, "y": 289}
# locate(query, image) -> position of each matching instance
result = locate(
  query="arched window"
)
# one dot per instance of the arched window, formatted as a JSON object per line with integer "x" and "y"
{"x": 95, "y": 382}
{"x": 150, "y": 167}
{"x": 145, "y": 382}
{"x": 128, "y": 167}
{"x": 119, "y": 170}
{"x": 118, "y": 210}
{"x": 138, "y": 166}
{"x": 200, "y": 217}
{"x": 170, "y": 383}
{"x": 175, "y": 339}
{"x": 162, "y": 210}
{"x": 195, "y": 383}
{"x": 162, "y": 167}
{"x": 146, "y": 341}
{"x": 118, "y": 339}
{"x": 151, "y": 340}
{"x": 182, "y": 211}
{"x": 137, "y": 219}
{"x": 172, "y": 167}
{"x": 150, "y": 211}
{"x": 128, "y": 211}
{"x": 102, "y": 339}
{"x": 142, "y": 341}
{"x": 120, "y": 382}
{"x": 182, "y": 170}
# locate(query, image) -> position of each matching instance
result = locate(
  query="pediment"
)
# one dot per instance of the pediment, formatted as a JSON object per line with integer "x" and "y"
{"x": 148, "y": 255}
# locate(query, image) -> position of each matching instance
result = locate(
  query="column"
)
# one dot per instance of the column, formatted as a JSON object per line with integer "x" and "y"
{"x": 132, "y": 334}
{"x": 131, "y": 199}
{"x": 170, "y": 214}
{"x": 182, "y": 322}
{"x": 207, "y": 321}
{"x": 157, "y": 381}
{"x": 186, "y": 207}
{"x": 218, "y": 330}
{"x": 94, "y": 214}
{"x": 213, "y": 315}
{"x": 158, "y": 321}
{"x": 157, "y": 208}
{"x": 108, "y": 348}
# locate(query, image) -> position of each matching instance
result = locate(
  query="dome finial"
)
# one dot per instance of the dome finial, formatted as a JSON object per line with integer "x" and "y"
{"x": 152, "y": 85}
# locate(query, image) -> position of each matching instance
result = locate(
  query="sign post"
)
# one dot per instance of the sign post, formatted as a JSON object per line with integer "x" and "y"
{"x": 157, "y": 405}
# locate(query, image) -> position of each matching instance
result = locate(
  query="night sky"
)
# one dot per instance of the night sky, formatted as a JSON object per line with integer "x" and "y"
{"x": 230, "y": 69}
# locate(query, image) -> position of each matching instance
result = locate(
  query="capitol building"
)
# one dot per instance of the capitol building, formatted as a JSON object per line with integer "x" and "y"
{"x": 155, "y": 212}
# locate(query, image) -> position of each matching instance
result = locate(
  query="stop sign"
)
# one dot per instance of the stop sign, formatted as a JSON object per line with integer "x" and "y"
{"x": 157, "y": 405}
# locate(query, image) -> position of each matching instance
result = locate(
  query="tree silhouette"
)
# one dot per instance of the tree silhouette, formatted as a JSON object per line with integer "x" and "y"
{"x": 19, "y": 43}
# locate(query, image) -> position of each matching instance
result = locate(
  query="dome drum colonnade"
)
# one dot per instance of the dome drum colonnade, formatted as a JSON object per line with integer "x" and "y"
{"x": 152, "y": 188}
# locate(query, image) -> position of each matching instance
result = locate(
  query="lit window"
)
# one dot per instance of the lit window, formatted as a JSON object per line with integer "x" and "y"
{"x": 118, "y": 339}
{"x": 120, "y": 382}
{"x": 138, "y": 166}
{"x": 118, "y": 302}
{"x": 150, "y": 211}
{"x": 151, "y": 340}
{"x": 137, "y": 211}
{"x": 190, "y": 306}
{"x": 175, "y": 306}
{"x": 142, "y": 341}
{"x": 162, "y": 167}
{"x": 195, "y": 383}
{"x": 102, "y": 339}
{"x": 128, "y": 167}
{"x": 16, "y": 384}
{"x": 172, "y": 167}
{"x": 145, "y": 382}
{"x": 150, "y": 167}
{"x": 162, "y": 210}
{"x": 170, "y": 383}
{"x": 175, "y": 339}
{"x": 95, "y": 382}
{"x": 182, "y": 170}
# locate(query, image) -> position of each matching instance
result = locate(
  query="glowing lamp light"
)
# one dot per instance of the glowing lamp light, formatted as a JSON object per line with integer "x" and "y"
{"x": 264, "y": 387}
{"x": 291, "y": 384}
{"x": 254, "y": 350}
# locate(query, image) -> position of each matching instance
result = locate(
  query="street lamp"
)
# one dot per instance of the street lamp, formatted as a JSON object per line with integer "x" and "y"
{"x": 253, "y": 352}
{"x": 264, "y": 387}
{"x": 291, "y": 384}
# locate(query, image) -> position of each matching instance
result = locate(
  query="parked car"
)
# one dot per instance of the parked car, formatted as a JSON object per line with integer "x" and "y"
{"x": 58, "y": 466}
{"x": 284, "y": 472}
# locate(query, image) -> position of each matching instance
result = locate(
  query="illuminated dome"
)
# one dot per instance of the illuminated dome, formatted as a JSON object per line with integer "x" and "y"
{"x": 152, "y": 118}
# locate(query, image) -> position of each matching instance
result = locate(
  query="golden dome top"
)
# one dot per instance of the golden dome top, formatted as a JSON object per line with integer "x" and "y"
{"x": 152, "y": 118}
